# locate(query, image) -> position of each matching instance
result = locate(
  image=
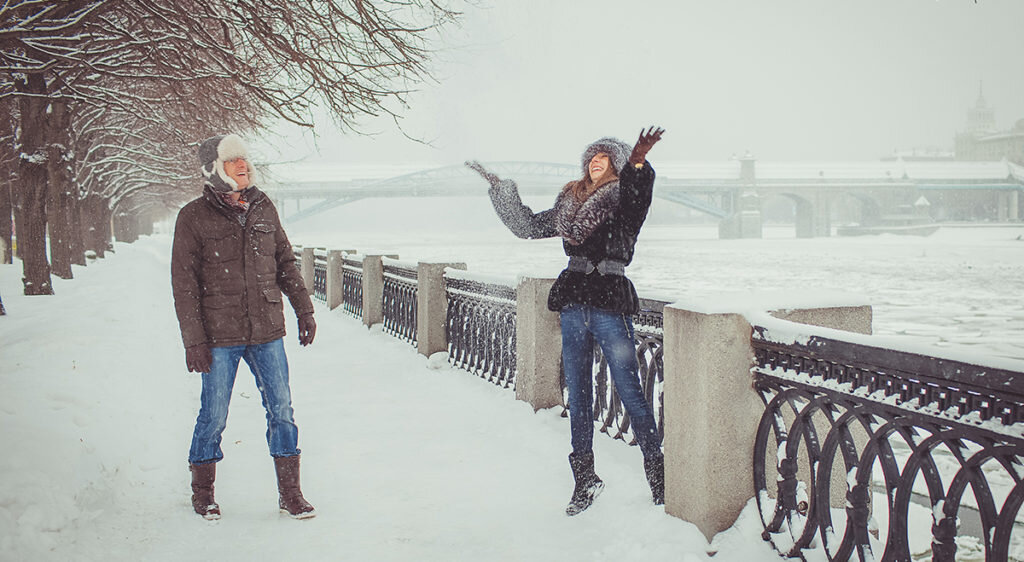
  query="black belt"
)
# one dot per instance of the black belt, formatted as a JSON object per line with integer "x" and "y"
{"x": 604, "y": 267}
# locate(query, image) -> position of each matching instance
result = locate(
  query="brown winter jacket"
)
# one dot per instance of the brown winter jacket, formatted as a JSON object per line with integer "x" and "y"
{"x": 227, "y": 279}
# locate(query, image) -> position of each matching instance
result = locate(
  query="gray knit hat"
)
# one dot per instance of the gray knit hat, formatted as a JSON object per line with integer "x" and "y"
{"x": 214, "y": 152}
{"x": 618, "y": 152}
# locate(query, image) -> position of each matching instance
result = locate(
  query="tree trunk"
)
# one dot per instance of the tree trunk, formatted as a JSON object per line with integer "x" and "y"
{"x": 6, "y": 219}
{"x": 77, "y": 234}
{"x": 107, "y": 224}
{"x": 91, "y": 225}
{"x": 58, "y": 204}
{"x": 96, "y": 224}
{"x": 31, "y": 187}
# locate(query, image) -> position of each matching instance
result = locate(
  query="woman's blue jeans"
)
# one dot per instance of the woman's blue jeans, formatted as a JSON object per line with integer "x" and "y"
{"x": 270, "y": 367}
{"x": 582, "y": 326}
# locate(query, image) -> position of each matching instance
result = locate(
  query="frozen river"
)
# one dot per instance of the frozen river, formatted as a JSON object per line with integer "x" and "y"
{"x": 961, "y": 288}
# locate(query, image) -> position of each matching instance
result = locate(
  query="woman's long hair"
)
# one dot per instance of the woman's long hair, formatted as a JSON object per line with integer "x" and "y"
{"x": 583, "y": 188}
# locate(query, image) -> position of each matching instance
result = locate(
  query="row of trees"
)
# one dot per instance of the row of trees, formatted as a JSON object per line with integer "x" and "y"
{"x": 103, "y": 102}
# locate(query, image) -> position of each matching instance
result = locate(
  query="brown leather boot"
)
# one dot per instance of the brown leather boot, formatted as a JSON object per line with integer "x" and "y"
{"x": 289, "y": 495}
{"x": 202, "y": 490}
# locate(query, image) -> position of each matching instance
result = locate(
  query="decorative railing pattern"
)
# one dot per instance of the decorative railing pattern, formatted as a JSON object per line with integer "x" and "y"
{"x": 481, "y": 329}
{"x": 883, "y": 432}
{"x": 648, "y": 336}
{"x": 320, "y": 274}
{"x": 352, "y": 284}
{"x": 400, "y": 300}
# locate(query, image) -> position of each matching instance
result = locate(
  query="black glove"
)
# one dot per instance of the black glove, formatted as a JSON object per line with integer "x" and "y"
{"x": 644, "y": 144}
{"x": 198, "y": 358}
{"x": 307, "y": 328}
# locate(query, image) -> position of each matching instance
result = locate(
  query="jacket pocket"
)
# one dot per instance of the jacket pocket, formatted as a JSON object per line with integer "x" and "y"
{"x": 264, "y": 239}
{"x": 224, "y": 317}
{"x": 220, "y": 247}
{"x": 274, "y": 312}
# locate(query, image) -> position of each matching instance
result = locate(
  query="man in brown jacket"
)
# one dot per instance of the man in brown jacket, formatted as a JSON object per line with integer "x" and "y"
{"x": 230, "y": 263}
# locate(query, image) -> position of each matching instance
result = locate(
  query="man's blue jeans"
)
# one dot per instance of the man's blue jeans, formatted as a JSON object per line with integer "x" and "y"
{"x": 270, "y": 367}
{"x": 582, "y": 326}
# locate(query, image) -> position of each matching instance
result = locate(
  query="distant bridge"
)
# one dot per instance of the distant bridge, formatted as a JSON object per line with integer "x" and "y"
{"x": 885, "y": 192}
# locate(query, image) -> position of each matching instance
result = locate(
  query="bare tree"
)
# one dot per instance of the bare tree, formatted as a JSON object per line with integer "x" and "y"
{"x": 182, "y": 70}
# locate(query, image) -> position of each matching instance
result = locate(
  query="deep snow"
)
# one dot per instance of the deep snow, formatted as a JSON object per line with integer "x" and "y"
{"x": 404, "y": 457}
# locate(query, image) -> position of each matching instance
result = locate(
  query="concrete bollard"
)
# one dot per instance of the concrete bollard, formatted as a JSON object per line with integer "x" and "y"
{"x": 538, "y": 345}
{"x": 307, "y": 269}
{"x": 432, "y": 307}
{"x": 712, "y": 411}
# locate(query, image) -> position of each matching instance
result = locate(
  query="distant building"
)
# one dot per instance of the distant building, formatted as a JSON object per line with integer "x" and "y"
{"x": 983, "y": 142}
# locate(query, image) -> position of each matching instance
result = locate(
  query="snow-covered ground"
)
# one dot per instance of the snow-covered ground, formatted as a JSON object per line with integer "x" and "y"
{"x": 404, "y": 458}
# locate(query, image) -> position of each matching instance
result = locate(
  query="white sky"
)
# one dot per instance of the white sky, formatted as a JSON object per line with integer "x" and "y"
{"x": 786, "y": 80}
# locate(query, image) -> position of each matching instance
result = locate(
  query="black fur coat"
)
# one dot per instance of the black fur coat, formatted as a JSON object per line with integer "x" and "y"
{"x": 606, "y": 225}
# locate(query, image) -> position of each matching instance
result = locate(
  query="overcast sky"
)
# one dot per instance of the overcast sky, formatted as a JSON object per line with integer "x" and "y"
{"x": 784, "y": 79}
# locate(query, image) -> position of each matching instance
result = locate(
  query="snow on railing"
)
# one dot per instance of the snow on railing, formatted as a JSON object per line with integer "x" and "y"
{"x": 855, "y": 439}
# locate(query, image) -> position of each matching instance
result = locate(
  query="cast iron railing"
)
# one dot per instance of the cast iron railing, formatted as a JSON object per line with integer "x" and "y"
{"x": 352, "y": 284}
{"x": 320, "y": 274}
{"x": 648, "y": 335}
{"x": 481, "y": 329}
{"x": 875, "y": 454}
{"x": 400, "y": 299}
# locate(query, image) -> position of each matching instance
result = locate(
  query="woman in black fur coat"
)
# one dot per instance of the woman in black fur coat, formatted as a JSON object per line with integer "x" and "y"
{"x": 598, "y": 218}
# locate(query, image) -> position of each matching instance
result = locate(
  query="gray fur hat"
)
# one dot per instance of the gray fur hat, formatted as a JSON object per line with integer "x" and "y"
{"x": 618, "y": 152}
{"x": 214, "y": 152}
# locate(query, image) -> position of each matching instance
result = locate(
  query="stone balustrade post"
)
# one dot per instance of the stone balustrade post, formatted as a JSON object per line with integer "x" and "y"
{"x": 538, "y": 345}
{"x": 712, "y": 410}
{"x": 432, "y": 307}
{"x": 307, "y": 269}
{"x": 335, "y": 295}
{"x": 373, "y": 288}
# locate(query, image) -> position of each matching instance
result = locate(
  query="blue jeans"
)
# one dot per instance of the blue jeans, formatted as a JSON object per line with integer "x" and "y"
{"x": 582, "y": 326}
{"x": 270, "y": 367}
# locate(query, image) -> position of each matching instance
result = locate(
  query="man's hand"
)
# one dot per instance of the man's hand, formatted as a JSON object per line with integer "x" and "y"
{"x": 307, "y": 329}
{"x": 644, "y": 144}
{"x": 476, "y": 167}
{"x": 198, "y": 358}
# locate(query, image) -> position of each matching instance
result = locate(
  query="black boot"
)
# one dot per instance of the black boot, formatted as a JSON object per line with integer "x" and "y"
{"x": 588, "y": 485}
{"x": 654, "y": 467}
{"x": 203, "y": 503}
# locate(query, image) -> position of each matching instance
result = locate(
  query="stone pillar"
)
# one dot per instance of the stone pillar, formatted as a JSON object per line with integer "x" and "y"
{"x": 711, "y": 418}
{"x": 712, "y": 411}
{"x": 432, "y": 307}
{"x": 538, "y": 345}
{"x": 334, "y": 277}
{"x": 1015, "y": 205}
{"x": 373, "y": 288}
{"x": 307, "y": 269}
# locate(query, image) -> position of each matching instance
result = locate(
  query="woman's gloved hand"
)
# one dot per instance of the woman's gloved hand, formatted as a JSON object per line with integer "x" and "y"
{"x": 491, "y": 178}
{"x": 644, "y": 144}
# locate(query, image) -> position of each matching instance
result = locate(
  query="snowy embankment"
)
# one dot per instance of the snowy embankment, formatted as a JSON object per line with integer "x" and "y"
{"x": 404, "y": 458}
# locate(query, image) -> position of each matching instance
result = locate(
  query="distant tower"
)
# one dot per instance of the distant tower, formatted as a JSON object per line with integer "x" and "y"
{"x": 981, "y": 118}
